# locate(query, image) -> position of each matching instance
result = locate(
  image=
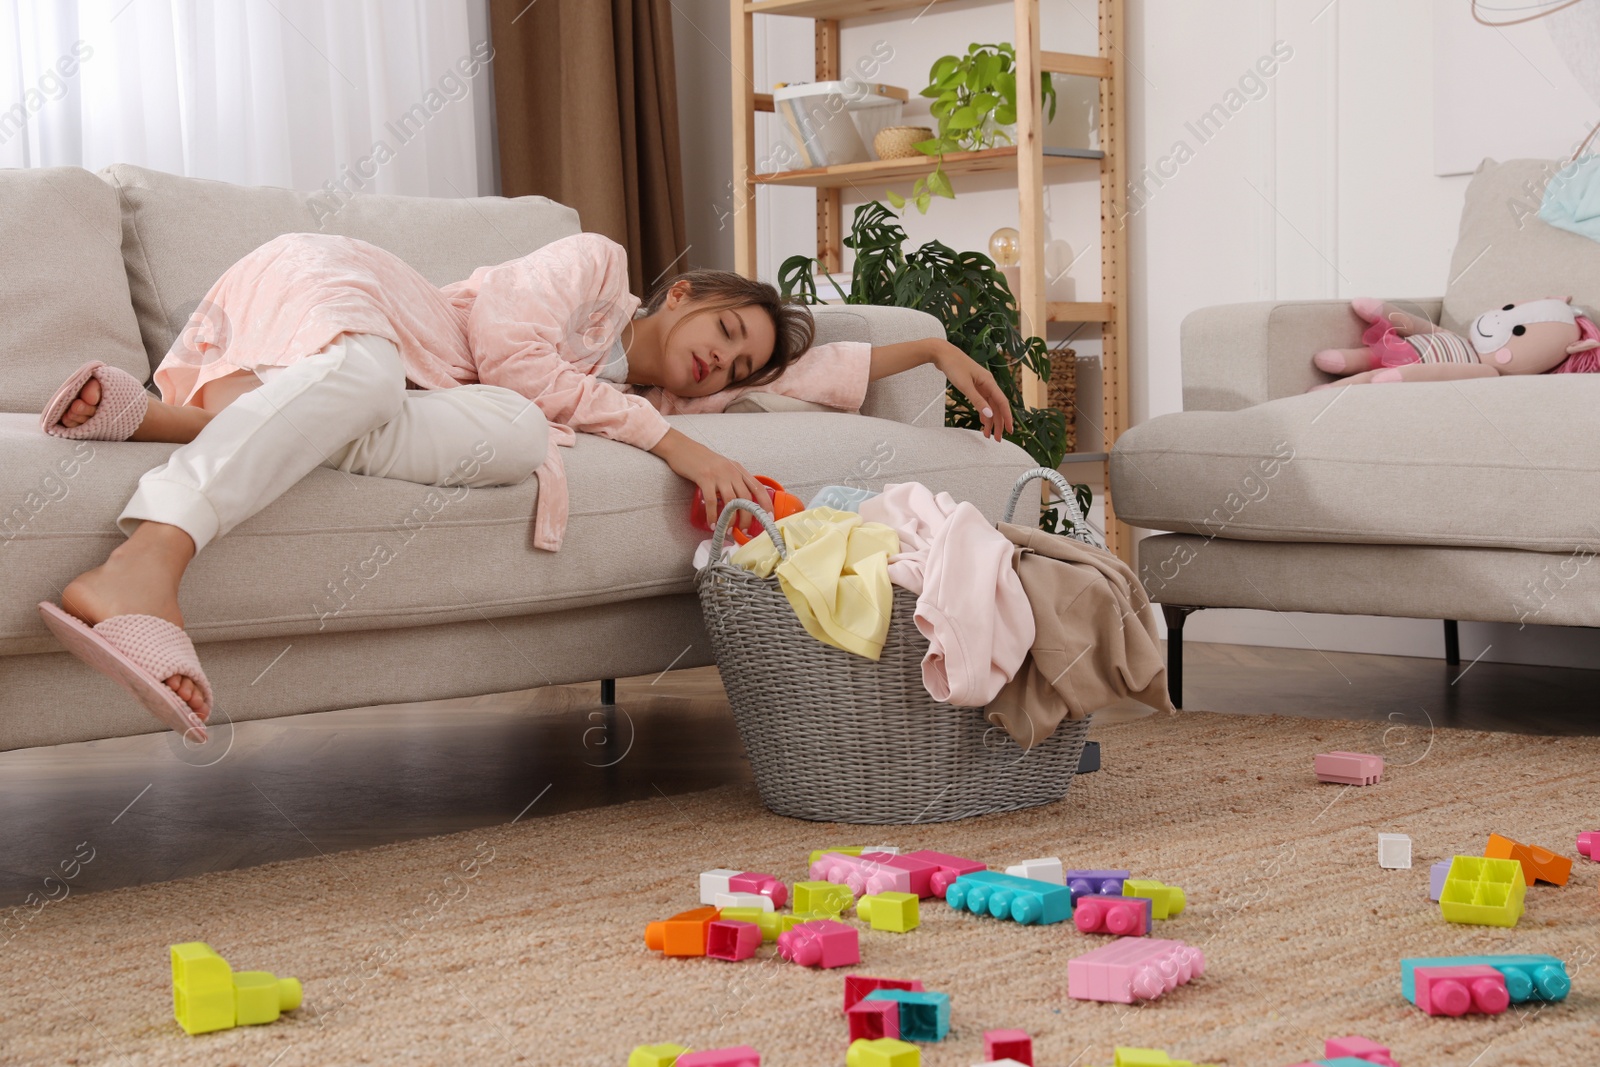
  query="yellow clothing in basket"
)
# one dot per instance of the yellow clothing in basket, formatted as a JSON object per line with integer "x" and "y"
{"x": 836, "y": 576}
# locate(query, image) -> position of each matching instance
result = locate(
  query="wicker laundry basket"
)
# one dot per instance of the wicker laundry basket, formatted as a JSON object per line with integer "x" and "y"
{"x": 835, "y": 737}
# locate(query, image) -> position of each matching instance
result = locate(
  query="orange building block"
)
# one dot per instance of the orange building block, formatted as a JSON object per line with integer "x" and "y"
{"x": 682, "y": 935}
{"x": 1537, "y": 863}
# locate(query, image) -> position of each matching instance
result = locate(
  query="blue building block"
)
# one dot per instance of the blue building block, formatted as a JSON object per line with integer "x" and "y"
{"x": 1527, "y": 977}
{"x": 923, "y": 1016}
{"x": 1005, "y": 896}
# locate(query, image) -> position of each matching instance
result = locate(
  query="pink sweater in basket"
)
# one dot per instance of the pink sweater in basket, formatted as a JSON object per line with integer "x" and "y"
{"x": 541, "y": 325}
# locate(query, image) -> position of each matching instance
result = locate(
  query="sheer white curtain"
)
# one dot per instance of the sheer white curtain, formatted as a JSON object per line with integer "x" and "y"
{"x": 390, "y": 96}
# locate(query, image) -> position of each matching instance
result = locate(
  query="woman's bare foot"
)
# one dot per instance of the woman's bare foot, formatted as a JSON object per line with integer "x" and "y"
{"x": 140, "y": 577}
{"x": 170, "y": 423}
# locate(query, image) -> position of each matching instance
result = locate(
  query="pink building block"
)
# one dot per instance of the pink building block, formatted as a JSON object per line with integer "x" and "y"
{"x": 1360, "y": 1048}
{"x": 1101, "y": 913}
{"x": 871, "y": 1019}
{"x": 1458, "y": 990}
{"x": 1008, "y": 1045}
{"x": 857, "y": 986}
{"x": 730, "y": 940}
{"x": 1589, "y": 844}
{"x": 1133, "y": 968}
{"x": 765, "y": 884}
{"x": 1348, "y": 768}
{"x": 868, "y": 873}
{"x": 950, "y": 868}
{"x": 737, "y": 1056}
{"x": 922, "y": 872}
{"x": 821, "y": 943}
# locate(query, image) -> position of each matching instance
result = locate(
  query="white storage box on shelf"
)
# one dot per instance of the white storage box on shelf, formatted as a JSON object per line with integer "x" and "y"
{"x": 831, "y": 122}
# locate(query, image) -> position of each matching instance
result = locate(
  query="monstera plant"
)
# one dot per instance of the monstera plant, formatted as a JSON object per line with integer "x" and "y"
{"x": 968, "y": 294}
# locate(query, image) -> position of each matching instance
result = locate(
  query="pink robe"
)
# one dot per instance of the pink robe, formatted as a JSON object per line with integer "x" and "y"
{"x": 541, "y": 325}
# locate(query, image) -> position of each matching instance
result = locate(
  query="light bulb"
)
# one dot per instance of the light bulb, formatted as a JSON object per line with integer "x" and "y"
{"x": 1005, "y": 247}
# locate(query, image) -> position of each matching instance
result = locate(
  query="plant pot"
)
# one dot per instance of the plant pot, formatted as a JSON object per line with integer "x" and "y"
{"x": 895, "y": 142}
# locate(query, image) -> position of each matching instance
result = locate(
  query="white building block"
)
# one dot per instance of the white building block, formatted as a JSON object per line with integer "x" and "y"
{"x": 714, "y": 882}
{"x": 1394, "y": 852}
{"x": 743, "y": 900}
{"x": 1047, "y": 869}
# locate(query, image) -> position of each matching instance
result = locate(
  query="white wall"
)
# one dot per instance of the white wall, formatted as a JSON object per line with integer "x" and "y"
{"x": 1320, "y": 186}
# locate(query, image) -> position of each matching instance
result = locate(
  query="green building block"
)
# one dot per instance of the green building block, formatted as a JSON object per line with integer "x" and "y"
{"x": 208, "y": 996}
{"x": 884, "y": 1052}
{"x": 771, "y": 922}
{"x": 817, "y": 854}
{"x": 821, "y": 898}
{"x": 655, "y": 1055}
{"x": 896, "y": 912}
{"x": 1483, "y": 891}
{"x": 1165, "y": 900}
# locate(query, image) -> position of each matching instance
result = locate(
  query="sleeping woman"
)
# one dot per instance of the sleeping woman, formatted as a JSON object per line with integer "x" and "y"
{"x": 324, "y": 351}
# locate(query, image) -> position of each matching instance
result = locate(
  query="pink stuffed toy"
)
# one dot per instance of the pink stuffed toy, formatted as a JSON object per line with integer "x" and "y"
{"x": 1533, "y": 337}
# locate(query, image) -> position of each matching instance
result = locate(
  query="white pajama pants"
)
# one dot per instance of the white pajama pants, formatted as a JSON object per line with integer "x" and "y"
{"x": 347, "y": 408}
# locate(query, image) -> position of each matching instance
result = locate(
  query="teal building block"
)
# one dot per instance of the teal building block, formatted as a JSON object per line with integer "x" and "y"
{"x": 923, "y": 1016}
{"x": 1527, "y": 977}
{"x": 1023, "y": 900}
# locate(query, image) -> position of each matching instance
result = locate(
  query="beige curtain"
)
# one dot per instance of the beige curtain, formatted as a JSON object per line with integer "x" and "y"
{"x": 586, "y": 110}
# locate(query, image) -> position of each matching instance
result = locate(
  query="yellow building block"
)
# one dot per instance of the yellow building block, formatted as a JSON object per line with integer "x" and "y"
{"x": 260, "y": 996}
{"x": 771, "y": 922}
{"x": 1149, "y": 1057}
{"x": 207, "y": 995}
{"x": 655, "y": 1055}
{"x": 824, "y": 898}
{"x": 884, "y": 1052}
{"x": 1165, "y": 900}
{"x": 896, "y": 912}
{"x": 853, "y": 850}
{"x": 1483, "y": 891}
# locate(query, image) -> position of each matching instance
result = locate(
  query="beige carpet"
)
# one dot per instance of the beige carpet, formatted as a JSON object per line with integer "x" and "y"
{"x": 539, "y": 958}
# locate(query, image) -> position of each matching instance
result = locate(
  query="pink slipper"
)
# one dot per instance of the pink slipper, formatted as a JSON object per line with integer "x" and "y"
{"x": 138, "y": 652}
{"x": 123, "y": 402}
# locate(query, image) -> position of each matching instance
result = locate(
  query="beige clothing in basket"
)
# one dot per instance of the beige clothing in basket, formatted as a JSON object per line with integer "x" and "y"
{"x": 1095, "y": 638}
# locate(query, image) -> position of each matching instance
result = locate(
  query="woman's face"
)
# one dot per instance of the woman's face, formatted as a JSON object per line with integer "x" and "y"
{"x": 705, "y": 352}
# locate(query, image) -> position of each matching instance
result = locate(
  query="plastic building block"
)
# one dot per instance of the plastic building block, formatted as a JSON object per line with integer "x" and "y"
{"x": 208, "y": 995}
{"x": 1348, "y": 768}
{"x": 867, "y": 873}
{"x": 893, "y": 850}
{"x": 821, "y": 943}
{"x": 1458, "y": 990}
{"x": 771, "y": 923}
{"x": 1007, "y": 1062}
{"x": 714, "y": 882}
{"x": 1358, "y": 1049}
{"x": 655, "y": 1055}
{"x": 1166, "y": 901}
{"x": 872, "y": 1019}
{"x": 731, "y": 940}
{"x": 1538, "y": 864}
{"x": 756, "y": 882}
{"x": 1394, "y": 852}
{"x": 950, "y": 868}
{"x": 1527, "y": 977}
{"x": 682, "y": 935}
{"x": 1133, "y": 968}
{"x": 1047, "y": 869}
{"x": 1487, "y": 892}
{"x": 853, "y": 850}
{"x": 822, "y": 898}
{"x": 920, "y": 872}
{"x": 1082, "y": 883}
{"x": 1008, "y": 1045}
{"x": 857, "y": 986}
{"x": 1589, "y": 844}
{"x": 1436, "y": 876}
{"x": 1147, "y": 1057}
{"x": 884, "y": 1052}
{"x": 1101, "y": 913}
{"x": 744, "y": 900}
{"x": 1006, "y": 896}
{"x": 896, "y": 912}
{"x": 737, "y": 1056}
{"x": 924, "y": 1016}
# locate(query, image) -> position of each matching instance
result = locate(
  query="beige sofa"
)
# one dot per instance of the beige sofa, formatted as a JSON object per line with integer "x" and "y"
{"x": 1471, "y": 500}
{"x": 292, "y": 612}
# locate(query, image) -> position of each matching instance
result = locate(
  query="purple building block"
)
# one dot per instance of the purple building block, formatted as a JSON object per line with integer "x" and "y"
{"x": 1104, "y": 882}
{"x": 1436, "y": 876}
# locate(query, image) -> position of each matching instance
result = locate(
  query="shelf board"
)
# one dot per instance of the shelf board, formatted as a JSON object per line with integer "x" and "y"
{"x": 888, "y": 170}
{"x": 1079, "y": 311}
{"x": 830, "y": 9}
{"x": 1085, "y": 457}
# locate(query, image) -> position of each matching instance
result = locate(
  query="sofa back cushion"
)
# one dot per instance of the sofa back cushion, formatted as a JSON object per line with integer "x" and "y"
{"x": 63, "y": 293}
{"x": 1506, "y": 253}
{"x": 179, "y": 235}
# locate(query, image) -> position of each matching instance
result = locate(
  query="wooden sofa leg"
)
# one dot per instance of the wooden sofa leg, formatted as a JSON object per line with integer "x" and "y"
{"x": 1175, "y": 614}
{"x": 608, "y": 691}
{"x": 1452, "y": 643}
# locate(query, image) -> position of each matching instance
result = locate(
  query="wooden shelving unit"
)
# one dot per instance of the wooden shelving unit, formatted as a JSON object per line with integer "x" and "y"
{"x": 1028, "y": 159}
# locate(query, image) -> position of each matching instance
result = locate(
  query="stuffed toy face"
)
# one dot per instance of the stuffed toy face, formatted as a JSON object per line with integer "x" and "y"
{"x": 1526, "y": 338}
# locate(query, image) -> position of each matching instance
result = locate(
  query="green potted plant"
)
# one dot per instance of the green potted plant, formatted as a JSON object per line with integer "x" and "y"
{"x": 968, "y": 294}
{"x": 974, "y": 99}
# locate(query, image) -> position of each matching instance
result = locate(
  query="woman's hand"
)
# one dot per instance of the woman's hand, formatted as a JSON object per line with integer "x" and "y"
{"x": 715, "y": 475}
{"x": 977, "y": 385}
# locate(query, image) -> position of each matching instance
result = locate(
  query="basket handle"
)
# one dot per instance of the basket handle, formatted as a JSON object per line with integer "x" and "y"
{"x": 732, "y": 508}
{"x": 1080, "y": 521}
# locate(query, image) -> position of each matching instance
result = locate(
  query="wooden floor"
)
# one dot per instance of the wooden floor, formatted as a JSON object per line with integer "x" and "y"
{"x": 368, "y": 776}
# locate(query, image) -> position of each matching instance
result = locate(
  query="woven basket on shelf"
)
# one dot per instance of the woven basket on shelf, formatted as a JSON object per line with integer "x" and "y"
{"x": 895, "y": 142}
{"x": 835, "y": 737}
{"x": 1062, "y": 389}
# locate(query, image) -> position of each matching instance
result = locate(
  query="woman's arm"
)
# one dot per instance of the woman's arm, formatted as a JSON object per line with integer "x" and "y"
{"x": 974, "y": 381}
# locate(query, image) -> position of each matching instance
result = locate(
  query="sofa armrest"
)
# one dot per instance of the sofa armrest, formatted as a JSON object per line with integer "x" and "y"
{"x": 914, "y": 397}
{"x": 1237, "y": 355}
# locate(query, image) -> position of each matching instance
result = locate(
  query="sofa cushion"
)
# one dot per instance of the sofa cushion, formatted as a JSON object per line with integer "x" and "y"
{"x": 63, "y": 292}
{"x": 343, "y": 552}
{"x": 1505, "y": 252}
{"x": 179, "y": 235}
{"x": 1493, "y": 463}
